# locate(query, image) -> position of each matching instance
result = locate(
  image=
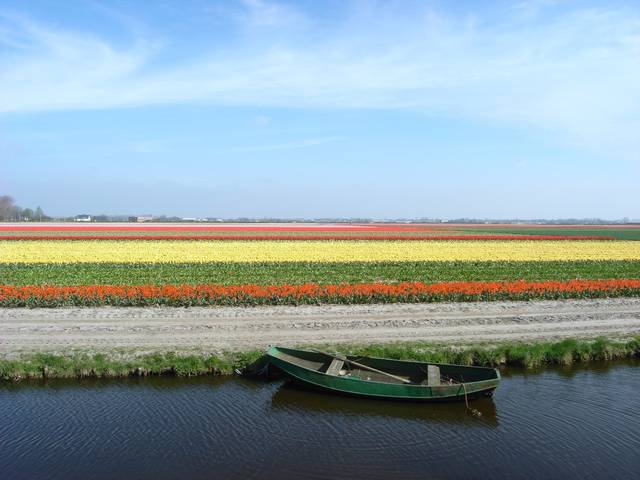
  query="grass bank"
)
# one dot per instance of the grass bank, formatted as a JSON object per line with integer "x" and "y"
{"x": 80, "y": 365}
{"x": 295, "y": 273}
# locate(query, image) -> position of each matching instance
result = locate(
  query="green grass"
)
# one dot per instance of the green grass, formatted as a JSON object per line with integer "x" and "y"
{"x": 297, "y": 273}
{"x": 620, "y": 233}
{"x": 566, "y": 352}
{"x": 81, "y": 365}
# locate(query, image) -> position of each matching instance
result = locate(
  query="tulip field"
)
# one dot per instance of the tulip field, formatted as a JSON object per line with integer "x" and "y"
{"x": 313, "y": 251}
{"x": 251, "y": 264}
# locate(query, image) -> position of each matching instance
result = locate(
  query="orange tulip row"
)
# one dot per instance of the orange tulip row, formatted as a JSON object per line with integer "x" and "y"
{"x": 212, "y": 294}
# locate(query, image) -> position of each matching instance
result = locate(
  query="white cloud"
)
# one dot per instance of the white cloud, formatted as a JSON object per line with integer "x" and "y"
{"x": 305, "y": 143}
{"x": 261, "y": 120}
{"x": 261, "y": 13}
{"x": 576, "y": 74}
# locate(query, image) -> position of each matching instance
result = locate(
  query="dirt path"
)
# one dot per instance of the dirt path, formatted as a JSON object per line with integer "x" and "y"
{"x": 135, "y": 330}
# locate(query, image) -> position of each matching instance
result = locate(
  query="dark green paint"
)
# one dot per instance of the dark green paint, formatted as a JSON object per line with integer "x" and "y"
{"x": 476, "y": 380}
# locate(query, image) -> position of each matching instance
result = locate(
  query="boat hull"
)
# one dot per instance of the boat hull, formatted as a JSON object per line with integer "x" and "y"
{"x": 360, "y": 387}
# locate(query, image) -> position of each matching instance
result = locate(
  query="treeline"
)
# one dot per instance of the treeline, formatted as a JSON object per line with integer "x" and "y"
{"x": 10, "y": 212}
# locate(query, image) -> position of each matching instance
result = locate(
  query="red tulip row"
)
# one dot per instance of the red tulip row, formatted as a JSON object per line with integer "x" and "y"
{"x": 211, "y": 294}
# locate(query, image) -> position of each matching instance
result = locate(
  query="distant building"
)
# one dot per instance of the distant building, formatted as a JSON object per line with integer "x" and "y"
{"x": 82, "y": 218}
{"x": 141, "y": 218}
{"x": 145, "y": 218}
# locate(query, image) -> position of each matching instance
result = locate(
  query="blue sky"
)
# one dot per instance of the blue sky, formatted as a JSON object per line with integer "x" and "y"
{"x": 383, "y": 109}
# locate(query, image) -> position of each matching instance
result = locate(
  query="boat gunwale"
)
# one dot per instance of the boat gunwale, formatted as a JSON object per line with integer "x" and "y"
{"x": 432, "y": 398}
{"x": 395, "y": 397}
{"x": 497, "y": 372}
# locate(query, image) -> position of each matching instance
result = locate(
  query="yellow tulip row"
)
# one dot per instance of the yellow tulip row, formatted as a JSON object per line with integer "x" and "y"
{"x": 143, "y": 251}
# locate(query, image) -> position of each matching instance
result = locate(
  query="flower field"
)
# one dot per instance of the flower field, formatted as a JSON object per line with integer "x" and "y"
{"x": 185, "y": 251}
{"x": 101, "y": 264}
{"x": 187, "y": 295}
{"x": 317, "y": 231}
{"x": 300, "y": 237}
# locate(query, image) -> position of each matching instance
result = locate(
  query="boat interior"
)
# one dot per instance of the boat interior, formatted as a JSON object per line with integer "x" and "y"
{"x": 385, "y": 370}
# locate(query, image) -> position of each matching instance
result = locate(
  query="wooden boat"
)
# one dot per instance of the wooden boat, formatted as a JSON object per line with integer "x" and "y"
{"x": 383, "y": 378}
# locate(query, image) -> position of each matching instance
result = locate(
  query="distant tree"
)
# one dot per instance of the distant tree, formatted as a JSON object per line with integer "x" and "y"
{"x": 27, "y": 214}
{"x": 9, "y": 211}
{"x": 7, "y": 207}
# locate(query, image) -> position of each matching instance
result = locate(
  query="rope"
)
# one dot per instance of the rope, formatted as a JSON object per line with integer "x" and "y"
{"x": 474, "y": 412}
{"x": 466, "y": 400}
{"x": 264, "y": 371}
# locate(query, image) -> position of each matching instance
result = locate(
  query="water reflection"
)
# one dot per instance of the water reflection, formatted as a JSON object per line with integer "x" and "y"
{"x": 550, "y": 424}
{"x": 293, "y": 398}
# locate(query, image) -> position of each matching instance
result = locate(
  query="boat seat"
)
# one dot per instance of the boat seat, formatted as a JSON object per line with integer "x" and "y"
{"x": 433, "y": 375}
{"x": 335, "y": 367}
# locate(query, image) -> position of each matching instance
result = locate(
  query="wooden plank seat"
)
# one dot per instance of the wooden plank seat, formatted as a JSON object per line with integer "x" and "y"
{"x": 335, "y": 367}
{"x": 433, "y": 376}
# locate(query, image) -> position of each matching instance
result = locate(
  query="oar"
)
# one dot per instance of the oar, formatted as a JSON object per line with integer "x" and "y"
{"x": 365, "y": 367}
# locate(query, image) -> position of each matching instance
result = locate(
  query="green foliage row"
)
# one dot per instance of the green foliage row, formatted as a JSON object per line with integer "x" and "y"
{"x": 619, "y": 233}
{"x": 566, "y": 352}
{"x": 298, "y": 273}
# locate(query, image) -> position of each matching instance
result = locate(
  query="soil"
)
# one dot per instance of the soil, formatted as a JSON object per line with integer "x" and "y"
{"x": 215, "y": 329}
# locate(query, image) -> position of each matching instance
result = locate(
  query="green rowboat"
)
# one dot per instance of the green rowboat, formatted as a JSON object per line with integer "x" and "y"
{"x": 383, "y": 378}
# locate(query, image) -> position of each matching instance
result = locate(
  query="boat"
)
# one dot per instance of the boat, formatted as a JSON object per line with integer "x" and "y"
{"x": 383, "y": 378}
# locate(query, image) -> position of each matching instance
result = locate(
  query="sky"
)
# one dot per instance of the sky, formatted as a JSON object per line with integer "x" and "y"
{"x": 309, "y": 109}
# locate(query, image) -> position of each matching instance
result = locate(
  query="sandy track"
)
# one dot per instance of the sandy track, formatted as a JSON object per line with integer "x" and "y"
{"x": 229, "y": 328}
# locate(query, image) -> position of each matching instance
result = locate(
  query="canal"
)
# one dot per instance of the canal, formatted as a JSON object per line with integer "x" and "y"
{"x": 559, "y": 423}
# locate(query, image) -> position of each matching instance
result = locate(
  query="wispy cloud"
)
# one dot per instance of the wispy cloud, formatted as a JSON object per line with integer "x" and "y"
{"x": 306, "y": 143}
{"x": 262, "y": 13}
{"x": 576, "y": 74}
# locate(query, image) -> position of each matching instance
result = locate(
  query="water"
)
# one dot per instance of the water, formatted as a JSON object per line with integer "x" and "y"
{"x": 581, "y": 423}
